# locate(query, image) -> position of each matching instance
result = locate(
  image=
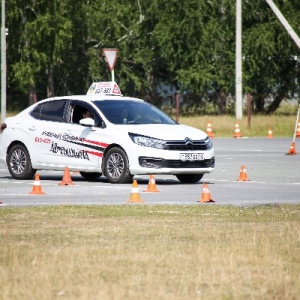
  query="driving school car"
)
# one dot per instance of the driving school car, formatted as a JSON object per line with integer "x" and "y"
{"x": 126, "y": 137}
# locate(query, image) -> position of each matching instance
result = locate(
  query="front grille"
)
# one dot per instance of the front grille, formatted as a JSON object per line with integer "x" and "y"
{"x": 157, "y": 163}
{"x": 207, "y": 163}
{"x": 183, "y": 146}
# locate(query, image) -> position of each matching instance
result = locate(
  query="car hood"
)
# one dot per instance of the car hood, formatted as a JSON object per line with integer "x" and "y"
{"x": 165, "y": 131}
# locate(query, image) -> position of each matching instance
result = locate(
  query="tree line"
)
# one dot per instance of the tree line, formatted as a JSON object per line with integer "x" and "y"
{"x": 54, "y": 47}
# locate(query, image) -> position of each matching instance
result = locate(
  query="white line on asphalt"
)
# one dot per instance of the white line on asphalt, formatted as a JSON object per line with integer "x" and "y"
{"x": 3, "y": 195}
{"x": 75, "y": 185}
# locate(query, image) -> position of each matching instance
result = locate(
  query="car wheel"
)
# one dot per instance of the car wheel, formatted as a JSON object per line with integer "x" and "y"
{"x": 90, "y": 176}
{"x": 19, "y": 163}
{"x": 189, "y": 178}
{"x": 116, "y": 166}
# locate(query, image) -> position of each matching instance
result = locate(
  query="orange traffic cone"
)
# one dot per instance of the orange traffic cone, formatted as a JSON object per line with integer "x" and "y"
{"x": 135, "y": 194}
{"x": 243, "y": 174}
{"x": 298, "y": 130}
{"x": 205, "y": 197}
{"x": 270, "y": 133}
{"x": 151, "y": 185}
{"x": 292, "y": 149}
{"x": 209, "y": 130}
{"x": 37, "y": 189}
{"x": 237, "y": 132}
{"x": 66, "y": 178}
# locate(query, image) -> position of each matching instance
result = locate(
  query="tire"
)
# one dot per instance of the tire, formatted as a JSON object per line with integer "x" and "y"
{"x": 19, "y": 163}
{"x": 189, "y": 178}
{"x": 90, "y": 176}
{"x": 116, "y": 166}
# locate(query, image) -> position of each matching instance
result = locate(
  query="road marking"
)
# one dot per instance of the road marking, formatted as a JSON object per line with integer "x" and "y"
{"x": 49, "y": 184}
{"x": 2, "y": 195}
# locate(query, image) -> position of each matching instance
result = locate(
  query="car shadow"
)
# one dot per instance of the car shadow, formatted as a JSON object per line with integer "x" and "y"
{"x": 78, "y": 178}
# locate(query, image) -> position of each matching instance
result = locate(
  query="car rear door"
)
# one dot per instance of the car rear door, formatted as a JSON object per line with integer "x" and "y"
{"x": 46, "y": 129}
{"x": 60, "y": 143}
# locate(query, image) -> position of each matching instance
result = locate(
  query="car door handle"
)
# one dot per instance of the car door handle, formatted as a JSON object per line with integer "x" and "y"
{"x": 32, "y": 128}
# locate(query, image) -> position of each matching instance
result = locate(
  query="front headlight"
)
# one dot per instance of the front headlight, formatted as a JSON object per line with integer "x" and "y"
{"x": 208, "y": 143}
{"x": 146, "y": 141}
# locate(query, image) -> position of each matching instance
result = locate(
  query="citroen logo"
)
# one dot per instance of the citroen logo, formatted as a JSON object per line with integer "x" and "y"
{"x": 188, "y": 141}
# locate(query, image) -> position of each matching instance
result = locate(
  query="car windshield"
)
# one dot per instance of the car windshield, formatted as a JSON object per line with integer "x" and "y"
{"x": 132, "y": 112}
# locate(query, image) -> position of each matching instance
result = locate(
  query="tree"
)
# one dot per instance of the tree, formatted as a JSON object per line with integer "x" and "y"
{"x": 43, "y": 31}
{"x": 271, "y": 56}
{"x": 127, "y": 26}
{"x": 56, "y": 48}
{"x": 197, "y": 40}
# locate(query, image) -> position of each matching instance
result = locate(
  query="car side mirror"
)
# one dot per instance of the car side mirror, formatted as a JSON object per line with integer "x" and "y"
{"x": 103, "y": 125}
{"x": 87, "y": 122}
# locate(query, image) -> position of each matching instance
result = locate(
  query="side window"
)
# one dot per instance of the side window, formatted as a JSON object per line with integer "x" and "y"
{"x": 36, "y": 112}
{"x": 79, "y": 112}
{"x": 53, "y": 111}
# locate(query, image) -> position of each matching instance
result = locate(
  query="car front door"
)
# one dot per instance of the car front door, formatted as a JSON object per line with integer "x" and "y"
{"x": 81, "y": 143}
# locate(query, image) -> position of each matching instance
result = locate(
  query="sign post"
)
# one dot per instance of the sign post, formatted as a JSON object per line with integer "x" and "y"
{"x": 238, "y": 62}
{"x": 3, "y": 63}
{"x": 111, "y": 58}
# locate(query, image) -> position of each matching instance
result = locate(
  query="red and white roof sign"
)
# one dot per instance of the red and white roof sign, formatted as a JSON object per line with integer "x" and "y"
{"x": 109, "y": 88}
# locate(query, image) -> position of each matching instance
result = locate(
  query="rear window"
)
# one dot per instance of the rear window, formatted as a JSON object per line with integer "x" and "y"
{"x": 49, "y": 111}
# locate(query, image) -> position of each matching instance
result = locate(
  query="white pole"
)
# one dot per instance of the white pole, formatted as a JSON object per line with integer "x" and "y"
{"x": 112, "y": 75}
{"x": 238, "y": 62}
{"x": 3, "y": 63}
{"x": 284, "y": 22}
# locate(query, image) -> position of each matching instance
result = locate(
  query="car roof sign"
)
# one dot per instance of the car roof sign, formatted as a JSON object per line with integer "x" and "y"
{"x": 108, "y": 88}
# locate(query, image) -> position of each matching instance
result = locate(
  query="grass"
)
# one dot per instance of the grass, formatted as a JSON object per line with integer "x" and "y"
{"x": 282, "y": 123}
{"x": 157, "y": 252}
{"x": 224, "y": 126}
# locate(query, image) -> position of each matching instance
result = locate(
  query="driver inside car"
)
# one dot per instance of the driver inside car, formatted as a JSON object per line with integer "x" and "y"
{"x": 87, "y": 114}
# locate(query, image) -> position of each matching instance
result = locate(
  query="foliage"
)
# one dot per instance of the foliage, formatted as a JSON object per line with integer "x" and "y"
{"x": 55, "y": 47}
{"x": 271, "y": 56}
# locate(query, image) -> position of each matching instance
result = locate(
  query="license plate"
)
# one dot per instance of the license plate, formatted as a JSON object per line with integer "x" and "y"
{"x": 191, "y": 156}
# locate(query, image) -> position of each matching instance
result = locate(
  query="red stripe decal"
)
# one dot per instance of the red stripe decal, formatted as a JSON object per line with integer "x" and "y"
{"x": 97, "y": 143}
{"x": 100, "y": 154}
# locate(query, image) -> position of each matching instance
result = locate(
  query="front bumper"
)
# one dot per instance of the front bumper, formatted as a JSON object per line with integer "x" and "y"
{"x": 147, "y": 160}
{"x": 159, "y": 163}
{"x": 156, "y": 165}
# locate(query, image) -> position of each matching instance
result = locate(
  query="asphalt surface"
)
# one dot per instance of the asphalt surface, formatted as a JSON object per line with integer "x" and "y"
{"x": 274, "y": 178}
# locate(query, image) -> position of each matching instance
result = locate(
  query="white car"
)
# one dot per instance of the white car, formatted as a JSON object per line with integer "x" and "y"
{"x": 125, "y": 137}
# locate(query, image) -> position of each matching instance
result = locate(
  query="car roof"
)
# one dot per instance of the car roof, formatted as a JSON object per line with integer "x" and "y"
{"x": 90, "y": 98}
